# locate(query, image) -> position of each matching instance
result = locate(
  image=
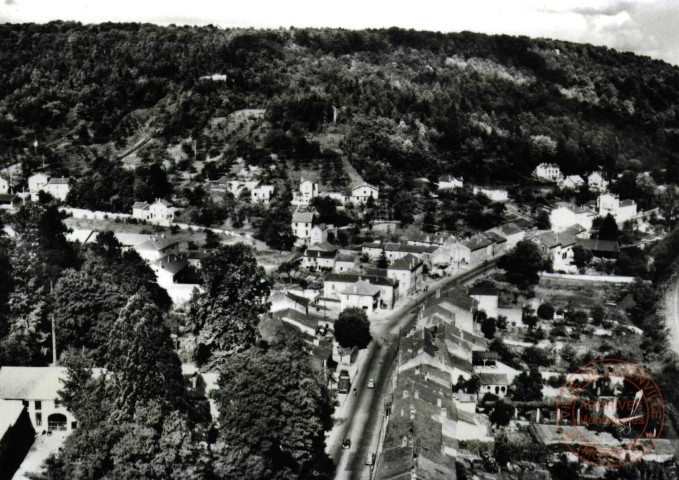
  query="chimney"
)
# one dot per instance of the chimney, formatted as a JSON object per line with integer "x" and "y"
{"x": 444, "y": 412}
{"x": 438, "y": 402}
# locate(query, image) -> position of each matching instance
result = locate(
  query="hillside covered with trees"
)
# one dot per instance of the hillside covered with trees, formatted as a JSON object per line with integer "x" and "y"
{"x": 404, "y": 103}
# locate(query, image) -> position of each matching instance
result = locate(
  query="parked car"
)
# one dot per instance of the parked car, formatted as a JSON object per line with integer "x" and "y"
{"x": 370, "y": 459}
{"x": 346, "y": 443}
{"x": 371, "y": 383}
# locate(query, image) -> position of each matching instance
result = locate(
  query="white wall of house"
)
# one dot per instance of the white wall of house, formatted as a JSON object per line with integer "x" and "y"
{"x": 365, "y": 302}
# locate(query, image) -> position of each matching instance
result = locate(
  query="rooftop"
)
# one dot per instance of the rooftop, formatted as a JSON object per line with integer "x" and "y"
{"x": 409, "y": 263}
{"x": 510, "y": 229}
{"x": 32, "y": 383}
{"x": 477, "y": 242}
{"x": 303, "y": 217}
{"x": 58, "y": 181}
{"x": 157, "y": 244}
{"x": 362, "y": 288}
{"x": 354, "y": 277}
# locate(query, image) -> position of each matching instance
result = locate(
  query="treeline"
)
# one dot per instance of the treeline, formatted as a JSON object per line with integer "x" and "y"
{"x": 411, "y": 103}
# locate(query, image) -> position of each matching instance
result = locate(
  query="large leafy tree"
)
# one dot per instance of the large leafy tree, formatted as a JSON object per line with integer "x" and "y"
{"x": 226, "y": 315}
{"x": 527, "y": 386}
{"x": 274, "y": 411}
{"x": 523, "y": 264}
{"x": 352, "y": 328}
{"x": 141, "y": 361}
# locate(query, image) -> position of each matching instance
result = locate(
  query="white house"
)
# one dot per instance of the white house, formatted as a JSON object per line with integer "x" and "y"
{"x": 596, "y": 182}
{"x": 487, "y": 298}
{"x": 161, "y": 212}
{"x": 621, "y": 210}
{"x": 408, "y": 271}
{"x": 319, "y": 234}
{"x": 495, "y": 383}
{"x": 140, "y": 210}
{"x": 335, "y": 283}
{"x": 559, "y": 247}
{"x": 363, "y": 192}
{"x": 572, "y": 182}
{"x": 480, "y": 248}
{"x": 361, "y": 295}
{"x": 302, "y": 223}
{"x": 566, "y": 215}
{"x": 262, "y": 194}
{"x": 307, "y": 191}
{"x": 36, "y": 183}
{"x": 4, "y": 185}
{"x": 37, "y": 388}
{"x": 58, "y": 187}
{"x": 156, "y": 248}
{"x": 346, "y": 262}
{"x": 548, "y": 172}
{"x": 495, "y": 194}
{"x": 448, "y": 182}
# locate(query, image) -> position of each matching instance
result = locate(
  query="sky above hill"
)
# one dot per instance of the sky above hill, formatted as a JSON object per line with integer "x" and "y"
{"x": 646, "y": 27}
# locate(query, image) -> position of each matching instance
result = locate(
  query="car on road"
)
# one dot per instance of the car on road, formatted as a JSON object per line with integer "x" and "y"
{"x": 346, "y": 443}
{"x": 371, "y": 383}
{"x": 370, "y": 459}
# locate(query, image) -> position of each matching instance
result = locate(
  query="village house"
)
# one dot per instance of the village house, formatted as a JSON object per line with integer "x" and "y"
{"x": 361, "y": 193}
{"x": 262, "y": 194}
{"x": 572, "y": 182}
{"x": 512, "y": 232}
{"x": 9, "y": 201}
{"x": 361, "y": 295}
{"x": 459, "y": 305}
{"x": 427, "y": 240}
{"x": 319, "y": 234}
{"x": 559, "y": 247}
{"x": 308, "y": 190}
{"x": 608, "y": 249}
{"x": 548, "y": 172}
{"x": 36, "y": 182}
{"x": 495, "y": 383}
{"x": 494, "y": 194}
{"x": 302, "y": 223}
{"x": 596, "y": 182}
{"x": 289, "y": 301}
{"x": 499, "y": 242}
{"x": 621, "y": 210}
{"x": 395, "y": 251}
{"x": 565, "y": 215}
{"x": 346, "y": 262}
{"x": 487, "y": 298}
{"x": 335, "y": 283}
{"x": 4, "y": 185}
{"x": 160, "y": 212}
{"x": 169, "y": 269}
{"x": 38, "y": 389}
{"x": 476, "y": 249}
{"x": 408, "y": 271}
{"x": 58, "y": 187}
{"x": 321, "y": 255}
{"x": 156, "y": 248}
{"x": 448, "y": 182}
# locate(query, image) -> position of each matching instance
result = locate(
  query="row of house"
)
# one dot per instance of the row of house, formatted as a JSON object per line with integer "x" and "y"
{"x": 549, "y": 172}
{"x": 565, "y": 214}
{"x": 308, "y": 190}
{"x": 558, "y": 246}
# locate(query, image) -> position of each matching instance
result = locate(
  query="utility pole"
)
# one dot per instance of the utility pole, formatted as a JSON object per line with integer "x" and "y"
{"x": 54, "y": 335}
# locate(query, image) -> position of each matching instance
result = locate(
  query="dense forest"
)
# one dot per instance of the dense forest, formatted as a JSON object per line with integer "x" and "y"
{"x": 405, "y": 103}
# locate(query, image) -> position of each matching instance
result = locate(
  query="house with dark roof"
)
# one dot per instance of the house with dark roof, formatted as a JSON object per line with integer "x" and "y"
{"x": 600, "y": 248}
{"x": 335, "y": 283}
{"x": 495, "y": 383}
{"x": 361, "y": 193}
{"x": 322, "y": 255}
{"x": 487, "y": 298}
{"x": 512, "y": 232}
{"x": 477, "y": 249}
{"x": 559, "y": 246}
{"x": 9, "y": 201}
{"x": 156, "y": 248}
{"x": 302, "y": 223}
{"x": 459, "y": 303}
{"x": 407, "y": 271}
{"x": 499, "y": 242}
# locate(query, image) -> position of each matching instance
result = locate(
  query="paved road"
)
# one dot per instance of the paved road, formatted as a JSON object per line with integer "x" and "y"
{"x": 361, "y": 420}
